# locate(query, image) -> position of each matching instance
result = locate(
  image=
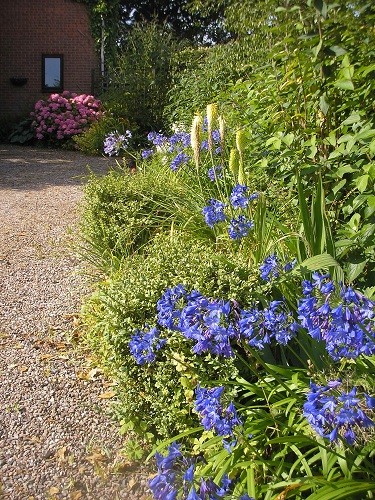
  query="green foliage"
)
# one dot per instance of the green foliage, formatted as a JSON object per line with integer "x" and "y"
{"x": 91, "y": 140}
{"x": 123, "y": 212}
{"x": 140, "y": 77}
{"x": 200, "y": 75}
{"x": 155, "y": 398}
{"x": 23, "y": 132}
{"x": 301, "y": 132}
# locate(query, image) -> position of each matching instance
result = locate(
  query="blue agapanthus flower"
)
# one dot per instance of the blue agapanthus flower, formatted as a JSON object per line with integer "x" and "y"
{"x": 146, "y": 153}
{"x": 169, "y": 307}
{"x": 239, "y": 227}
{"x": 238, "y": 196}
{"x": 144, "y": 344}
{"x": 214, "y": 212}
{"x": 157, "y": 139}
{"x": 207, "y": 322}
{"x": 270, "y": 268}
{"x": 179, "y": 141}
{"x": 346, "y": 325}
{"x": 212, "y": 413}
{"x": 180, "y": 159}
{"x": 176, "y": 476}
{"x": 258, "y": 327}
{"x": 332, "y": 413}
{"x": 215, "y": 173}
{"x": 115, "y": 142}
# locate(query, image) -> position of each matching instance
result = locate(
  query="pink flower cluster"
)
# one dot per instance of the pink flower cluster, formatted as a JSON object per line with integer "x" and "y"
{"x": 64, "y": 115}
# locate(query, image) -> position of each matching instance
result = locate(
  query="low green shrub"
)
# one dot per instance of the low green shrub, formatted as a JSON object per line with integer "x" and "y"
{"x": 23, "y": 132}
{"x": 91, "y": 140}
{"x": 155, "y": 398}
{"x": 122, "y": 212}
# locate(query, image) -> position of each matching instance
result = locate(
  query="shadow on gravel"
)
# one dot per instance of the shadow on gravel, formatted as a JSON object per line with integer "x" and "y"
{"x": 24, "y": 168}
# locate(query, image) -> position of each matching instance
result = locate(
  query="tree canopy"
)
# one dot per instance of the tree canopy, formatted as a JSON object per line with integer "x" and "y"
{"x": 183, "y": 20}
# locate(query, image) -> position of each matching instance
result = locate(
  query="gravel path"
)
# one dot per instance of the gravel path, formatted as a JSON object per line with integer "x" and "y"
{"x": 57, "y": 440}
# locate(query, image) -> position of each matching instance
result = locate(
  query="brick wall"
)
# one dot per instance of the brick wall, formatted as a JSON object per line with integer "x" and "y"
{"x": 31, "y": 28}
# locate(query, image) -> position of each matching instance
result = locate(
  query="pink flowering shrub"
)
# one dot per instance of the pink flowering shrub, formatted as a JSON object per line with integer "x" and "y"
{"x": 64, "y": 115}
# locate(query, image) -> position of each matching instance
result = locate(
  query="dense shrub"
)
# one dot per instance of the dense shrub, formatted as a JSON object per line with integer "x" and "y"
{"x": 140, "y": 77}
{"x": 202, "y": 74}
{"x": 91, "y": 140}
{"x": 123, "y": 212}
{"x": 155, "y": 398}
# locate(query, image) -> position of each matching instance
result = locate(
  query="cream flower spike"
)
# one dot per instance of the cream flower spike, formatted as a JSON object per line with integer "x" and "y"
{"x": 195, "y": 137}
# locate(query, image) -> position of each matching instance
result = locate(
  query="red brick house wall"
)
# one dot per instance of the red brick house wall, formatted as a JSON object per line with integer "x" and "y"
{"x": 30, "y": 28}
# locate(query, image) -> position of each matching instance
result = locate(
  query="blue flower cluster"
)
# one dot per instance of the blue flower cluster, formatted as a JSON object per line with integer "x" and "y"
{"x": 346, "y": 325}
{"x": 115, "y": 142}
{"x": 176, "y": 143}
{"x": 157, "y": 139}
{"x": 176, "y": 475}
{"x": 169, "y": 312}
{"x": 333, "y": 414}
{"x": 272, "y": 267}
{"x": 180, "y": 159}
{"x": 260, "y": 327}
{"x": 146, "y": 153}
{"x": 144, "y": 344}
{"x": 214, "y": 324}
{"x": 239, "y": 227}
{"x": 213, "y": 415}
{"x": 205, "y": 321}
{"x": 215, "y": 134}
{"x": 179, "y": 141}
{"x": 215, "y": 173}
{"x": 239, "y": 198}
{"x": 214, "y": 212}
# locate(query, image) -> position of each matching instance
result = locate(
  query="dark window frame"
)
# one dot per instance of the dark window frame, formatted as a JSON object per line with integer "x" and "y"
{"x": 45, "y": 88}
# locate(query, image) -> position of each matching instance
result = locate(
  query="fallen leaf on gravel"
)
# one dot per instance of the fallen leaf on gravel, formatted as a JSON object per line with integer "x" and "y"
{"x": 23, "y": 368}
{"x": 18, "y": 346}
{"x": 95, "y": 372}
{"x": 53, "y": 490}
{"x": 60, "y": 454}
{"x": 34, "y": 439}
{"x": 82, "y": 375}
{"x": 45, "y": 356}
{"x": 91, "y": 375}
{"x": 132, "y": 483}
{"x": 75, "y": 495}
{"x": 107, "y": 395}
{"x": 121, "y": 467}
{"x": 96, "y": 457}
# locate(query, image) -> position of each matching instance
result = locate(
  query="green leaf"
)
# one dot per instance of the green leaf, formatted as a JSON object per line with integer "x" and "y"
{"x": 167, "y": 442}
{"x": 354, "y": 270}
{"x": 353, "y": 118}
{"x": 344, "y": 84}
{"x": 344, "y": 169}
{"x": 337, "y": 50}
{"x": 323, "y": 104}
{"x": 338, "y": 186}
{"x": 342, "y": 489}
{"x": 361, "y": 182}
{"x": 322, "y": 261}
{"x": 321, "y": 6}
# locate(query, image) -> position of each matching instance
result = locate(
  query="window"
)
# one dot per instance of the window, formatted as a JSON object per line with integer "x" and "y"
{"x": 52, "y": 72}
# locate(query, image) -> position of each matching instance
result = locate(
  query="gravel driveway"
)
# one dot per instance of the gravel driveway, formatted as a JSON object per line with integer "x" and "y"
{"x": 56, "y": 436}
